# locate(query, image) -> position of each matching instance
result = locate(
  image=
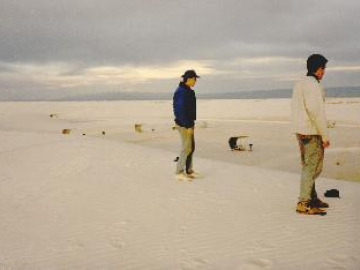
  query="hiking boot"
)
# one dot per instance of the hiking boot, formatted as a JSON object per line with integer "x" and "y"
{"x": 319, "y": 203}
{"x": 182, "y": 177}
{"x": 192, "y": 174}
{"x": 307, "y": 209}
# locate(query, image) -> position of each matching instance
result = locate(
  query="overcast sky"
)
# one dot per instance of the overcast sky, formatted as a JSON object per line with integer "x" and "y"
{"x": 88, "y": 46}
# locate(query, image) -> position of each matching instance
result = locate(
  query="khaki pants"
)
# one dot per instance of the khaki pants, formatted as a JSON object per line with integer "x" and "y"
{"x": 187, "y": 138}
{"x": 312, "y": 159}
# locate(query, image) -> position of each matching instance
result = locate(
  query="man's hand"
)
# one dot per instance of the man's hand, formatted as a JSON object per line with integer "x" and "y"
{"x": 326, "y": 144}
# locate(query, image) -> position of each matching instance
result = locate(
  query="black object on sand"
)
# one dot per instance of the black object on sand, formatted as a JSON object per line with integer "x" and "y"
{"x": 332, "y": 193}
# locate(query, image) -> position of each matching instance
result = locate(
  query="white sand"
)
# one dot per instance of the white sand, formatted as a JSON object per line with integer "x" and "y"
{"x": 111, "y": 201}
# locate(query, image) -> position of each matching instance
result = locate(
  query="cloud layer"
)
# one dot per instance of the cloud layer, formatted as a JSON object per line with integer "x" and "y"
{"x": 90, "y": 45}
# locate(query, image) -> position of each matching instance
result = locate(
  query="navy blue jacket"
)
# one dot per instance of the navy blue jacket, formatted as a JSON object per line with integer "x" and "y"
{"x": 184, "y": 106}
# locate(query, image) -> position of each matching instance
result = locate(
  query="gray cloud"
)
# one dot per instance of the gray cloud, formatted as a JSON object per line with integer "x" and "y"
{"x": 93, "y": 33}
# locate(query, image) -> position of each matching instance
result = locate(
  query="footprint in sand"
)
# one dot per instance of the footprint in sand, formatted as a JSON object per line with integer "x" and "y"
{"x": 117, "y": 243}
{"x": 76, "y": 244}
{"x": 190, "y": 262}
{"x": 193, "y": 264}
{"x": 341, "y": 261}
{"x": 256, "y": 264}
{"x": 4, "y": 179}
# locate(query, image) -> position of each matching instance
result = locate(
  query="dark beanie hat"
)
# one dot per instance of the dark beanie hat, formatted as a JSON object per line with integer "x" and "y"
{"x": 314, "y": 62}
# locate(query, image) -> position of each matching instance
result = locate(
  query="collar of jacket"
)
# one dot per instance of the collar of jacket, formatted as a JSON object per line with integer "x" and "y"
{"x": 313, "y": 75}
{"x": 182, "y": 84}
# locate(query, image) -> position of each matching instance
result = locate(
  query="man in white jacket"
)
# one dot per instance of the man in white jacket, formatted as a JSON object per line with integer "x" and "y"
{"x": 310, "y": 126}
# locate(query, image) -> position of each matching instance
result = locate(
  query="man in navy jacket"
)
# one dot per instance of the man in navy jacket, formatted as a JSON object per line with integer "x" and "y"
{"x": 184, "y": 106}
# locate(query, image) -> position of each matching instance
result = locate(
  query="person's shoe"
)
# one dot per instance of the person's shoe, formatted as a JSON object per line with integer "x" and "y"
{"x": 319, "y": 203}
{"x": 307, "y": 209}
{"x": 182, "y": 177}
{"x": 192, "y": 174}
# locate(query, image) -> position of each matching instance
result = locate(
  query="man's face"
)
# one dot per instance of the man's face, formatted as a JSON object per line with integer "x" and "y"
{"x": 320, "y": 73}
{"x": 191, "y": 82}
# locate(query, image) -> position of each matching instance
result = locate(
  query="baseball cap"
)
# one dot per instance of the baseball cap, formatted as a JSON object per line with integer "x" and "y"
{"x": 190, "y": 74}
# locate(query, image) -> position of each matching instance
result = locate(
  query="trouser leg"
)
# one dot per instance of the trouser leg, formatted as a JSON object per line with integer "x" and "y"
{"x": 319, "y": 149}
{"x": 189, "y": 160}
{"x": 186, "y": 137}
{"x": 312, "y": 156}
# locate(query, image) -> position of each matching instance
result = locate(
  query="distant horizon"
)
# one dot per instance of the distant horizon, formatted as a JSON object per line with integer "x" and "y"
{"x": 349, "y": 91}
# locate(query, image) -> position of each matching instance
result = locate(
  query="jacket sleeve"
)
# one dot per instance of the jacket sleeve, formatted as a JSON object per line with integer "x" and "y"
{"x": 180, "y": 109}
{"x": 314, "y": 104}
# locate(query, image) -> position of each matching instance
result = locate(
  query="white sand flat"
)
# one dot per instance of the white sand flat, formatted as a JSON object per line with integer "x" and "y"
{"x": 97, "y": 202}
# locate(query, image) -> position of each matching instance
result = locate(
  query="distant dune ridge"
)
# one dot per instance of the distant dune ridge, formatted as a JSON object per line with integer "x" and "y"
{"x": 101, "y": 96}
{"x": 69, "y": 201}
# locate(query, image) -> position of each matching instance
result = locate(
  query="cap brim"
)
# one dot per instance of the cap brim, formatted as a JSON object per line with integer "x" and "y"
{"x": 196, "y": 76}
